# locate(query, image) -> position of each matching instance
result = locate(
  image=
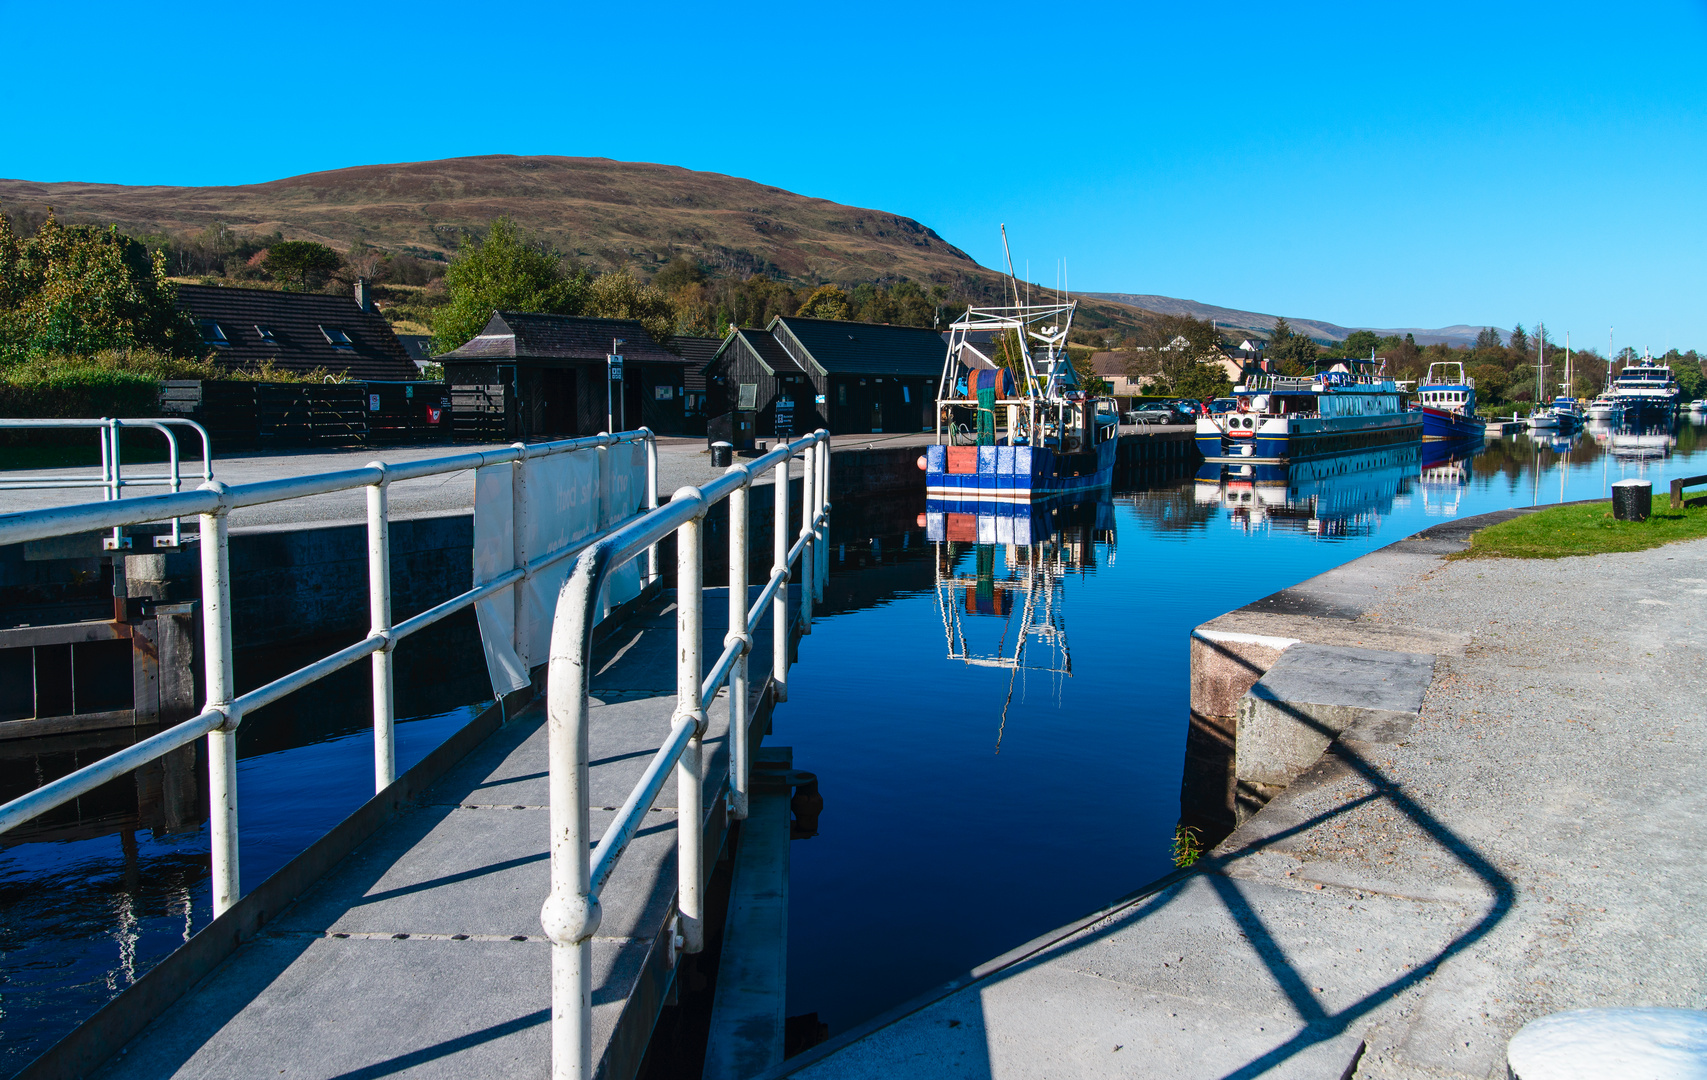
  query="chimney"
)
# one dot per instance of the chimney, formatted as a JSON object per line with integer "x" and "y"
{"x": 364, "y": 298}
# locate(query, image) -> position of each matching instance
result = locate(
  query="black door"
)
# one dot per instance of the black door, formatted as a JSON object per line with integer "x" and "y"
{"x": 557, "y": 386}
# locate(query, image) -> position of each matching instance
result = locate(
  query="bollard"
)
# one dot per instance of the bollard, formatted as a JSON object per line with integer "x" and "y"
{"x": 722, "y": 454}
{"x": 1632, "y": 500}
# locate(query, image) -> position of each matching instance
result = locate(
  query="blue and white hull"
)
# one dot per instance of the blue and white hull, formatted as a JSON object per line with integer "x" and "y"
{"x": 1015, "y": 473}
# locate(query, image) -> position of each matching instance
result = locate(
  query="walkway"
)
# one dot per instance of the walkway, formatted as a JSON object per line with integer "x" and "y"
{"x": 1530, "y": 844}
{"x": 421, "y": 954}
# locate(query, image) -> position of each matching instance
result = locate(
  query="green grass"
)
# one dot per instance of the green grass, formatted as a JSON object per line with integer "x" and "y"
{"x": 1589, "y": 529}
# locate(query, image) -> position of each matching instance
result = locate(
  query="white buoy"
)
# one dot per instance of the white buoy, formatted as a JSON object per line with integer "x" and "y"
{"x": 1598, "y": 1044}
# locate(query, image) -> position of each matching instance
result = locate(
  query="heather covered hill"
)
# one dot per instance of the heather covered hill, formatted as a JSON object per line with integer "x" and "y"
{"x": 605, "y": 213}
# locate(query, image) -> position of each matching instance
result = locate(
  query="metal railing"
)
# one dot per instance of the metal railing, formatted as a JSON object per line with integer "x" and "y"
{"x": 225, "y": 709}
{"x": 112, "y": 480}
{"x": 571, "y": 913}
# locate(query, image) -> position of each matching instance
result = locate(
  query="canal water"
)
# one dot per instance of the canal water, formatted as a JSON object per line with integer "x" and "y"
{"x": 995, "y": 708}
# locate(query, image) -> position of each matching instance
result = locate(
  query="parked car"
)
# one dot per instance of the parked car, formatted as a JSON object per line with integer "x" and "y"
{"x": 1156, "y": 412}
{"x": 1189, "y": 408}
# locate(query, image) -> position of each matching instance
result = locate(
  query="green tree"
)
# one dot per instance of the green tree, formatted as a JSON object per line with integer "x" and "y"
{"x": 1359, "y": 343}
{"x": 827, "y": 302}
{"x": 301, "y": 263}
{"x": 1291, "y": 353}
{"x": 1489, "y": 338}
{"x": 80, "y": 290}
{"x": 1519, "y": 342}
{"x": 617, "y": 295}
{"x": 506, "y": 271}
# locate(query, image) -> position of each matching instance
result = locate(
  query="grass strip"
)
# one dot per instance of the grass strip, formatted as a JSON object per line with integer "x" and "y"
{"x": 1587, "y": 529}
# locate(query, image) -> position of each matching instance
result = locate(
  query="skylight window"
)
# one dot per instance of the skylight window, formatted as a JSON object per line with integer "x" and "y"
{"x": 337, "y": 338}
{"x": 213, "y": 335}
{"x": 267, "y": 335}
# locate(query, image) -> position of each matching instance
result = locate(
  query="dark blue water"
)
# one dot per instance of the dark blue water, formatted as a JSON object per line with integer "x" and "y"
{"x": 968, "y": 807}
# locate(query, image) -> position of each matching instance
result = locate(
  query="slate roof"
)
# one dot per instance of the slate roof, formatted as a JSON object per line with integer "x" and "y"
{"x": 299, "y": 324}
{"x": 698, "y": 351}
{"x": 770, "y": 352}
{"x": 521, "y": 335}
{"x": 852, "y": 348}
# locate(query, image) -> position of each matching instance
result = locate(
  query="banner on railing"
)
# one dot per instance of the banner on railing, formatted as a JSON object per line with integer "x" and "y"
{"x": 564, "y": 504}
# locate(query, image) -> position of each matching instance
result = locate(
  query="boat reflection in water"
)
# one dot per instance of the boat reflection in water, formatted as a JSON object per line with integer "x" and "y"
{"x": 1000, "y": 581}
{"x": 1329, "y": 497}
{"x": 1443, "y": 474}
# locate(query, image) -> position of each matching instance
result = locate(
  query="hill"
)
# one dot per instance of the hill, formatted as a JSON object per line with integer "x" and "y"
{"x": 607, "y": 213}
{"x": 1251, "y": 321}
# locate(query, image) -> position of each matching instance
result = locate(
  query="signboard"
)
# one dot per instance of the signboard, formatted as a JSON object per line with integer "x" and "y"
{"x": 615, "y": 362}
{"x": 819, "y": 399}
{"x": 663, "y": 393}
{"x": 784, "y": 417}
{"x": 373, "y": 403}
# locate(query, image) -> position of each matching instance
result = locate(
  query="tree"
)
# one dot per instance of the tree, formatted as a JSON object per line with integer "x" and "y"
{"x": 1489, "y": 338}
{"x": 680, "y": 271}
{"x": 1519, "y": 343}
{"x": 302, "y": 263}
{"x": 1360, "y": 343}
{"x": 507, "y": 271}
{"x": 617, "y": 295}
{"x": 827, "y": 302}
{"x": 80, "y": 290}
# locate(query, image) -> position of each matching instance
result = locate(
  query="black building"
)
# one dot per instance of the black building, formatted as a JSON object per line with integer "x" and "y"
{"x": 299, "y": 332}
{"x": 528, "y": 376}
{"x": 797, "y": 375}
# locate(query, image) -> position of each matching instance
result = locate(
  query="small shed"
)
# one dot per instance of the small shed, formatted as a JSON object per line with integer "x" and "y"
{"x": 528, "y": 376}
{"x": 697, "y": 352}
{"x": 800, "y": 374}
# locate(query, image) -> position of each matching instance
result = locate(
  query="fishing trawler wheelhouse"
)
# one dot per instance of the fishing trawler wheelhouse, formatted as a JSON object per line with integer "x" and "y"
{"x": 1352, "y": 405}
{"x": 1015, "y": 431}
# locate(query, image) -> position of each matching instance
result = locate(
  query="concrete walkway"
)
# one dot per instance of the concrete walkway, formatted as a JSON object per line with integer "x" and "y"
{"x": 421, "y": 954}
{"x": 1528, "y": 841}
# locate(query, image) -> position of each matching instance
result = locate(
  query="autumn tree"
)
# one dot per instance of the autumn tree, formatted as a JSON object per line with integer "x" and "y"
{"x": 618, "y": 295}
{"x": 827, "y": 302}
{"x": 80, "y": 290}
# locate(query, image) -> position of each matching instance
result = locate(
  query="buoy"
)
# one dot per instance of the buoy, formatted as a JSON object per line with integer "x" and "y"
{"x": 921, "y": 521}
{"x": 921, "y": 469}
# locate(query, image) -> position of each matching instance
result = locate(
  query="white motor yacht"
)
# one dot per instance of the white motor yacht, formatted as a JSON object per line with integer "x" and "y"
{"x": 1605, "y": 408}
{"x": 1543, "y": 419}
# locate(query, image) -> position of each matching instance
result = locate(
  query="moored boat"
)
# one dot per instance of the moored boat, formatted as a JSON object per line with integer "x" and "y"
{"x": 1605, "y": 408}
{"x": 1352, "y": 406}
{"x": 1647, "y": 391}
{"x": 1035, "y": 432}
{"x": 1543, "y": 420}
{"x": 1447, "y": 400}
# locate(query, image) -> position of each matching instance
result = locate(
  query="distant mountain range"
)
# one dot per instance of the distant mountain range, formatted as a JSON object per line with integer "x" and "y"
{"x": 1255, "y": 322}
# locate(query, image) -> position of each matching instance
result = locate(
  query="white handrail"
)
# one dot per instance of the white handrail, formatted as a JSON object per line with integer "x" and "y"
{"x": 571, "y": 913}
{"x": 225, "y": 709}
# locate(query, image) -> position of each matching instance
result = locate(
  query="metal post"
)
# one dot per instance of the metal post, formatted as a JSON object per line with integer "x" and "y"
{"x": 690, "y": 811}
{"x": 808, "y": 507}
{"x": 519, "y": 556}
{"x": 379, "y": 624}
{"x": 653, "y": 569}
{"x": 740, "y": 764}
{"x": 779, "y": 605}
{"x": 823, "y": 560}
{"x": 222, "y": 741}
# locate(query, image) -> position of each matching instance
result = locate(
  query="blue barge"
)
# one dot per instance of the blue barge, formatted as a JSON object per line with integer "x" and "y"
{"x": 1354, "y": 406}
{"x": 1447, "y": 401}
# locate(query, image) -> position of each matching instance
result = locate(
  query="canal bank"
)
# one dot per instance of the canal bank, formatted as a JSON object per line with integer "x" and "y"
{"x": 1522, "y": 844}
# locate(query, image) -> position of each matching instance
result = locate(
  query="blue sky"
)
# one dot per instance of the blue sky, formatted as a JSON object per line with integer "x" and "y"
{"x": 1368, "y": 164}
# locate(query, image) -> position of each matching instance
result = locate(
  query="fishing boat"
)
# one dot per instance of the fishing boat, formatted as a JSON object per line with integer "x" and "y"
{"x": 1351, "y": 406}
{"x": 1568, "y": 414}
{"x": 1647, "y": 391}
{"x": 1034, "y": 431}
{"x": 1447, "y": 400}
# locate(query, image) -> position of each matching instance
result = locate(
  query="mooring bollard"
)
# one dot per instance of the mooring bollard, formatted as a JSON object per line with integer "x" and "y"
{"x": 722, "y": 454}
{"x": 1632, "y": 500}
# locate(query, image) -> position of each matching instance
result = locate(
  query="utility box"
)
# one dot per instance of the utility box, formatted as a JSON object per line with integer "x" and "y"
{"x": 734, "y": 427}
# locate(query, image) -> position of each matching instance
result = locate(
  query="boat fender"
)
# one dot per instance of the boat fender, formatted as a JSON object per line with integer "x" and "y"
{"x": 921, "y": 463}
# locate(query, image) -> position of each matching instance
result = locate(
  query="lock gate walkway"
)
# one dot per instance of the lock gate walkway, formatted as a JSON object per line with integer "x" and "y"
{"x": 421, "y": 953}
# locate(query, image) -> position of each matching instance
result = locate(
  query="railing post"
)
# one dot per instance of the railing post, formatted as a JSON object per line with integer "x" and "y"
{"x": 779, "y": 605}
{"x": 690, "y": 669}
{"x": 571, "y": 914}
{"x": 519, "y": 555}
{"x": 379, "y": 624}
{"x": 654, "y": 571}
{"x": 823, "y": 560}
{"x": 222, "y": 741}
{"x": 740, "y": 765}
{"x": 808, "y": 508}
